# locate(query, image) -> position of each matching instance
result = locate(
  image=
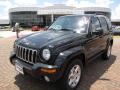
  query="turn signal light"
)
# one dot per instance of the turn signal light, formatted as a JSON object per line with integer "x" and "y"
{"x": 50, "y": 71}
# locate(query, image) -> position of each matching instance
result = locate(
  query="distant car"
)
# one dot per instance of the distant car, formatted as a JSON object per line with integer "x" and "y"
{"x": 35, "y": 28}
{"x": 116, "y": 31}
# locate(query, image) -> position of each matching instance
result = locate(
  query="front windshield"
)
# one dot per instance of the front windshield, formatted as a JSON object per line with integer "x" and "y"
{"x": 77, "y": 24}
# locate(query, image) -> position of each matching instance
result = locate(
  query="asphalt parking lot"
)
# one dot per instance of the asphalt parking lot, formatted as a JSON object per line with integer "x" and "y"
{"x": 98, "y": 75}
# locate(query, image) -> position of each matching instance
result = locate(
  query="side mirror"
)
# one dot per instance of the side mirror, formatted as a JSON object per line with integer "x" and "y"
{"x": 99, "y": 31}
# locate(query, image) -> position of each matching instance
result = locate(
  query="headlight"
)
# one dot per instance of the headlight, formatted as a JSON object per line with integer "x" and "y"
{"x": 46, "y": 54}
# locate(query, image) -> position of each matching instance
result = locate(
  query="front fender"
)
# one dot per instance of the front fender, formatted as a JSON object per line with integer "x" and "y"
{"x": 66, "y": 56}
{"x": 12, "y": 55}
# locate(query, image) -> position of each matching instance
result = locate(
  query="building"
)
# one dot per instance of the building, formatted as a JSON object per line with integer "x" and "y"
{"x": 29, "y": 16}
{"x": 116, "y": 22}
{"x": 96, "y": 10}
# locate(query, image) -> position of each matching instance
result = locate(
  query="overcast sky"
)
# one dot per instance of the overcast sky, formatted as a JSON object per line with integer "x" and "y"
{"x": 113, "y": 4}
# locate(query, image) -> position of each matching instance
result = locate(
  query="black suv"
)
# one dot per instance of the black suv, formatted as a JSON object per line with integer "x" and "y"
{"x": 61, "y": 52}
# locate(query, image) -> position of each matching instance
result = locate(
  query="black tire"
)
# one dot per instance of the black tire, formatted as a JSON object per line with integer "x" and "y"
{"x": 65, "y": 81}
{"x": 106, "y": 55}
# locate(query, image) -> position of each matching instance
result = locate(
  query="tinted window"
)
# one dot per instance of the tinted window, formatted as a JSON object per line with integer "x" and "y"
{"x": 109, "y": 23}
{"x": 95, "y": 24}
{"x": 74, "y": 23}
{"x": 104, "y": 24}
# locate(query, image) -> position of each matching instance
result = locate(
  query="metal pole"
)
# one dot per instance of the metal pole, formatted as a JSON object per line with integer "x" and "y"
{"x": 52, "y": 18}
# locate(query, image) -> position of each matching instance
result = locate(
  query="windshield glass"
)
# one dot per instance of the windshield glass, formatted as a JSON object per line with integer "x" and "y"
{"x": 77, "y": 24}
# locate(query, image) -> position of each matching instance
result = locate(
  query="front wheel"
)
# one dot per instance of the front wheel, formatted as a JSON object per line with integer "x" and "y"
{"x": 106, "y": 55}
{"x": 72, "y": 75}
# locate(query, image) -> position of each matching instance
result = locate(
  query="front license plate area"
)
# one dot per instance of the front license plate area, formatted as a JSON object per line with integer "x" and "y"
{"x": 19, "y": 68}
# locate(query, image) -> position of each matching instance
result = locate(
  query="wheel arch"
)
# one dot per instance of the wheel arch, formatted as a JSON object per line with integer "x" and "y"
{"x": 81, "y": 57}
{"x": 77, "y": 57}
{"x": 111, "y": 42}
{"x": 65, "y": 58}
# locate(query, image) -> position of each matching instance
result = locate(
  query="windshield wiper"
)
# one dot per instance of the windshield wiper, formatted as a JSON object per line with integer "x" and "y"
{"x": 52, "y": 29}
{"x": 66, "y": 29}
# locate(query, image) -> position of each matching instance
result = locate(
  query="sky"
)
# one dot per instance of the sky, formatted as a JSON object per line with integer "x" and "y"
{"x": 113, "y": 4}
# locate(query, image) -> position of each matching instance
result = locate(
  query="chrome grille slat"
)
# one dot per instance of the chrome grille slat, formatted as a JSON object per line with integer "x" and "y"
{"x": 26, "y": 54}
{"x": 18, "y": 50}
{"x": 35, "y": 56}
{"x": 32, "y": 56}
{"x": 22, "y": 52}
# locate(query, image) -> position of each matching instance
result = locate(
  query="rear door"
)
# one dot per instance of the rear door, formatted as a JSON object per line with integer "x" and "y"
{"x": 94, "y": 41}
{"x": 106, "y": 29}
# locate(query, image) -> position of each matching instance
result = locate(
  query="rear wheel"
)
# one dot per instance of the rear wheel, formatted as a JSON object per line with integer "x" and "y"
{"x": 72, "y": 75}
{"x": 106, "y": 55}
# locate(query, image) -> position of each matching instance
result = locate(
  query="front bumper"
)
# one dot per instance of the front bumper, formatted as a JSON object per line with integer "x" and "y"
{"x": 38, "y": 70}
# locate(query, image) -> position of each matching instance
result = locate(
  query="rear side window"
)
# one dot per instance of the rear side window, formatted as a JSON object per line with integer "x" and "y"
{"x": 95, "y": 23}
{"x": 109, "y": 23}
{"x": 104, "y": 24}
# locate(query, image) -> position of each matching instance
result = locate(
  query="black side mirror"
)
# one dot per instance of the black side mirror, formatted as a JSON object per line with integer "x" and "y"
{"x": 99, "y": 31}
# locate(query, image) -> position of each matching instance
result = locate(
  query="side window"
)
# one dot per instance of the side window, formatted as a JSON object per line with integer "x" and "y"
{"x": 104, "y": 24}
{"x": 109, "y": 23}
{"x": 95, "y": 24}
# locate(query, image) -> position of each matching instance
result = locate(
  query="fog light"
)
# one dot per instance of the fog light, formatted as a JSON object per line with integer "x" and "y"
{"x": 47, "y": 79}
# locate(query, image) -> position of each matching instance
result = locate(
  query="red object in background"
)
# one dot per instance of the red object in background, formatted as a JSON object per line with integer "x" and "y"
{"x": 35, "y": 28}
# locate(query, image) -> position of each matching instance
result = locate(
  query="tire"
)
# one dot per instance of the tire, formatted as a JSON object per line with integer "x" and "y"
{"x": 106, "y": 55}
{"x": 75, "y": 69}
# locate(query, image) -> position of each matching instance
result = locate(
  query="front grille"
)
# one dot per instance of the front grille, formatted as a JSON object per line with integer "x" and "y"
{"x": 26, "y": 54}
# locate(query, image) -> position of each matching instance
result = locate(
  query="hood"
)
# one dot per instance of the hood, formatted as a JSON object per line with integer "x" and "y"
{"x": 44, "y": 38}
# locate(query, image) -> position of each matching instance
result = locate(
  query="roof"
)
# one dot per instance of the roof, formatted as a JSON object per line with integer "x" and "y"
{"x": 17, "y": 9}
{"x": 59, "y": 9}
{"x": 100, "y": 9}
{"x": 59, "y": 6}
{"x": 87, "y": 15}
{"x": 79, "y": 15}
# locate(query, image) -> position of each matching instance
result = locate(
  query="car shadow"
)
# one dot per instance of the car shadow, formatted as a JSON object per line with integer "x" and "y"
{"x": 92, "y": 72}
